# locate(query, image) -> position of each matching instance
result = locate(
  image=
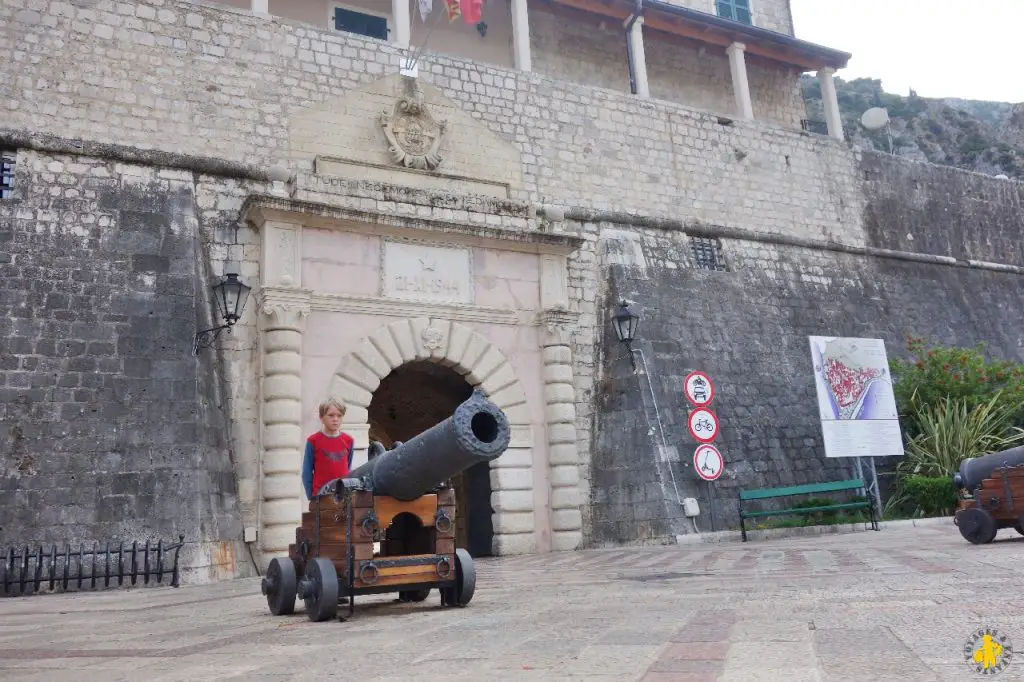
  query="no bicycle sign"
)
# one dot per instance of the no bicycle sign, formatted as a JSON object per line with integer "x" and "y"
{"x": 703, "y": 425}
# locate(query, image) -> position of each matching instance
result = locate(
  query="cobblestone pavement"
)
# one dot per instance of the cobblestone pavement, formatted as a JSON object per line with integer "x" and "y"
{"x": 898, "y": 604}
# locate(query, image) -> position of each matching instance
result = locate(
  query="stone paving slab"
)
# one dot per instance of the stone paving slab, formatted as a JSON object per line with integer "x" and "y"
{"x": 892, "y": 605}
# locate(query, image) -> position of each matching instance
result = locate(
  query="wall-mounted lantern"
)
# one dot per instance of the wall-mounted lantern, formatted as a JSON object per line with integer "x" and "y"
{"x": 230, "y": 296}
{"x": 625, "y": 323}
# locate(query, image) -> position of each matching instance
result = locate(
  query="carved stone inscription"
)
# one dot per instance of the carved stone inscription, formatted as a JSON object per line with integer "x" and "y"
{"x": 435, "y": 274}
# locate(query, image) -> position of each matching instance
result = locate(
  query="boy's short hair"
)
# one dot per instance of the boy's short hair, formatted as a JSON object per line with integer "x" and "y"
{"x": 332, "y": 402}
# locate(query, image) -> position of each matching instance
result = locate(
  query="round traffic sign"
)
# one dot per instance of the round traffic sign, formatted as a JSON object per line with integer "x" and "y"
{"x": 703, "y": 425}
{"x": 708, "y": 462}
{"x": 699, "y": 389}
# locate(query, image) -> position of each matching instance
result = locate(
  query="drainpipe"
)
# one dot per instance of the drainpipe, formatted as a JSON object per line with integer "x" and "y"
{"x": 637, "y": 71}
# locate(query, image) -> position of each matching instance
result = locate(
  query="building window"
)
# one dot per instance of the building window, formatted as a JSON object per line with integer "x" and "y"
{"x": 352, "y": 21}
{"x": 707, "y": 253}
{"x": 6, "y": 174}
{"x": 737, "y": 10}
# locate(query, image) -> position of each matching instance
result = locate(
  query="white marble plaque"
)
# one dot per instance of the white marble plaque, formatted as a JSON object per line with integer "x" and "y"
{"x": 437, "y": 274}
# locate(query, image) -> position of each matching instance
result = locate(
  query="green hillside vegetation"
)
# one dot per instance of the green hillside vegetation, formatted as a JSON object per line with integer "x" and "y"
{"x": 986, "y": 137}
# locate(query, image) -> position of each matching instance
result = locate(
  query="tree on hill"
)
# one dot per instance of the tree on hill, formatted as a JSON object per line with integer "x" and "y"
{"x": 987, "y": 137}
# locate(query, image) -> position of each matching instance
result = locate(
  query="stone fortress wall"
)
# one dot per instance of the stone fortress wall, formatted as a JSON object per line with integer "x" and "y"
{"x": 179, "y": 109}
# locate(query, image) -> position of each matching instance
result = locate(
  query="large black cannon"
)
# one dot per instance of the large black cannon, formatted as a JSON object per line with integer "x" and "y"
{"x": 478, "y": 431}
{"x": 990, "y": 495}
{"x": 974, "y": 470}
{"x": 401, "y": 499}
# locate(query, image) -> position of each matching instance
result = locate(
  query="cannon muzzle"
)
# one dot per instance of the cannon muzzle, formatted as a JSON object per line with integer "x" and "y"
{"x": 976, "y": 469}
{"x": 478, "y": 431}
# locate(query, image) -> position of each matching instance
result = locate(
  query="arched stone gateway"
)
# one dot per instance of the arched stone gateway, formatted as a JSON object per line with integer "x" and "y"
{"x": 389, "y": 290}
{"x": 482, "y": 364}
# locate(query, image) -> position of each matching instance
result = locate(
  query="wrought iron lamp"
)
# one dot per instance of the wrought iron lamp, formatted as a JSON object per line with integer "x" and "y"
{"x": 230, "y": 295}
{"x": 626, "y": 322}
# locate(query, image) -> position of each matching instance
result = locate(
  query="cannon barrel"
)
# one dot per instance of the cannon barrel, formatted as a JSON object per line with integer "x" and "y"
{"x": 477, "y": 431}
{"x": 976, "y": 469}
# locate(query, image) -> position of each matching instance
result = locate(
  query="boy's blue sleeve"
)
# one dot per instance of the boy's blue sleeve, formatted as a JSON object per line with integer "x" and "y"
{"x": 307, "y": 471}
{"x": 351, "y": 450}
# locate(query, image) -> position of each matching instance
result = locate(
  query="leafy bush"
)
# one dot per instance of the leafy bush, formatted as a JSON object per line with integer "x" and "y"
{"x": 934, "y": 373}
{"x": 954, "y": 403}
{"x": 930, "y": 496}
{"x": 952, "y": 431}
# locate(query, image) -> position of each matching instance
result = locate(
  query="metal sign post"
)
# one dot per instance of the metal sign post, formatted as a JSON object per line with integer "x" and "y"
{"x": 709, "y": 464}
{"x": 703, "y": 426}
{"x": 870, "y": 488}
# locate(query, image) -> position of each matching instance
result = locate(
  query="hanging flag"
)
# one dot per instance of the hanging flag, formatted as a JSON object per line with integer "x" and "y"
{"x": 426, "y": 7}
{"x": 471, "y": 11}
{"x": 453, "y": 9}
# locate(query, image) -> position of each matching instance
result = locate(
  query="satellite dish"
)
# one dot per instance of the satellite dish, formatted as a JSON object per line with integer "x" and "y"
{"x": 875, "y": 118}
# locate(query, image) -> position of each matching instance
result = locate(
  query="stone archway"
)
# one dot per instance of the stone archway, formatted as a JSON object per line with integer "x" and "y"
{"x": 482, "y": 365}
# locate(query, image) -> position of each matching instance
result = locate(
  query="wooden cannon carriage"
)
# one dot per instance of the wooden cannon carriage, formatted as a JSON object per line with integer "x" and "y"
{"x": 401, "y": 499}
{"x": 990, "y": 495}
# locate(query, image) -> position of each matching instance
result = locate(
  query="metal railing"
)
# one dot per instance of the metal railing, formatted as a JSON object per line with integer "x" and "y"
{"x": 26, "y": 571}
{"x": 814, "y": 126}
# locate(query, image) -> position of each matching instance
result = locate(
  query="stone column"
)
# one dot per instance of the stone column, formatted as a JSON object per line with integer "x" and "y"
{"x": 830, "y": 101}
{"x": 260, "y": 6}
{"x": 281, "y": 496}
{"x": 639, "y": 57}
{"x": 403, "y": 27}
{"x": 560, "y": 417}
{"x": 284, "y": 306}
{"x": 521, "y": 35}
{"x": 556, "y": 324}
{"x": 740, "y": 86}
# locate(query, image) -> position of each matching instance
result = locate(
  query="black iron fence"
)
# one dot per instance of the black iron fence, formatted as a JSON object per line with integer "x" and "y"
{"x": 27, "y": 571}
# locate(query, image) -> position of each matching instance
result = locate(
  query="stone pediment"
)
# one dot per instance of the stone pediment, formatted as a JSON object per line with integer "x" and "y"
{"x": 404, "y": 131}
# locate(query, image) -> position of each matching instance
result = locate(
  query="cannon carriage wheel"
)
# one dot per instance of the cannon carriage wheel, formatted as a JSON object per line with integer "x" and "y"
{"x": 977, "y": 526}
{"x": 319, "y": 590}
{"x": 280, "y": 586}
{"x": 465, "y": 581}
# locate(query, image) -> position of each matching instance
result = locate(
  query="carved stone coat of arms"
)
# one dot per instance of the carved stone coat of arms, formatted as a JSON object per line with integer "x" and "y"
{"x": 414, "y": 136}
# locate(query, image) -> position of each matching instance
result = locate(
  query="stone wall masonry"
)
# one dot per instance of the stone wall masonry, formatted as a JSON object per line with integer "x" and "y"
{"x": 748, "y": 327}
{"x": 111, "y": 428}
{"x": 974, "y": 217}
{"x": 214, "y": 82}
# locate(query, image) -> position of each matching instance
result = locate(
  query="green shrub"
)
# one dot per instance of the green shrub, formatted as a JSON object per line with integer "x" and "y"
{"x": 930, "y": 495}
{"x": 933, "y": 374}
{"x": 951, "y": 431}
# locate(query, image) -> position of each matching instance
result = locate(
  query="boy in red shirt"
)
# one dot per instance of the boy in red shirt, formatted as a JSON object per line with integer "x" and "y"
{"x": 328, "y": 451}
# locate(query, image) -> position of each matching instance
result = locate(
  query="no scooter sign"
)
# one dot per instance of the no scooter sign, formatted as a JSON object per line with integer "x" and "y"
{"x": 708, "y": 462}
{"x": 699, "y": 389}
{"x": 703, "y": 425}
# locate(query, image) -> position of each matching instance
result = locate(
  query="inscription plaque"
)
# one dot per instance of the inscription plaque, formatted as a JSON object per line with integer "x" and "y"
{"x": 436, "y": 274}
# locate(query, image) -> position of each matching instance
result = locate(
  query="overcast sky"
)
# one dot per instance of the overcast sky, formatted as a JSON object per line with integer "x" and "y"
{"x": 972, "y": 49}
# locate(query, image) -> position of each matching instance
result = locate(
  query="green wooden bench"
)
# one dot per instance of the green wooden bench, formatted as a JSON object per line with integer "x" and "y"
{"x": 808, "y": 489}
